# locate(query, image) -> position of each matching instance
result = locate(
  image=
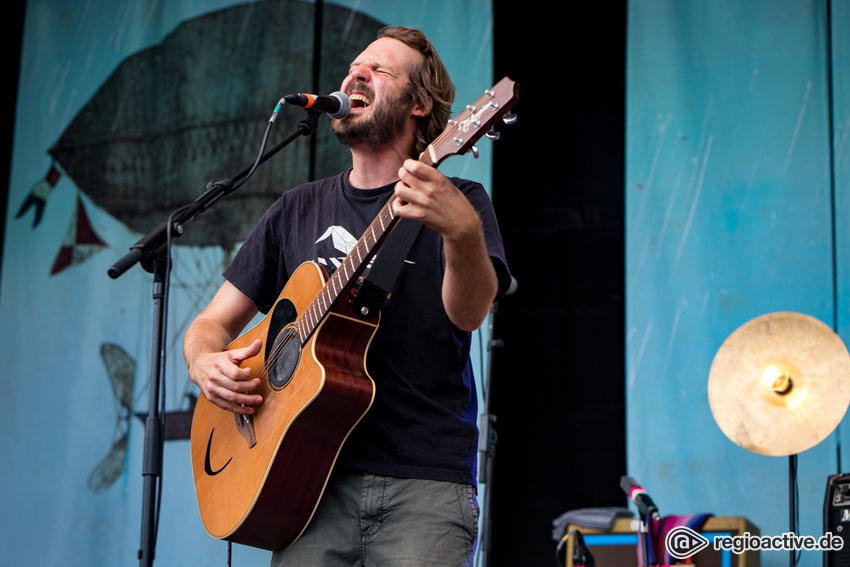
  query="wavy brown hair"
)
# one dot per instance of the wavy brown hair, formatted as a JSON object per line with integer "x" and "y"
{"x": 429, "y": 80}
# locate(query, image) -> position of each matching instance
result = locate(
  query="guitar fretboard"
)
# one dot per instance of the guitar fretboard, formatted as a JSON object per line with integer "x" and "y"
{"x": 350, "y": 269}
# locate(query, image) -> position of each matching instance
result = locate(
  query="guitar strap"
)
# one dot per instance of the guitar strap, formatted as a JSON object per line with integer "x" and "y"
{"x": 375, "y": 287}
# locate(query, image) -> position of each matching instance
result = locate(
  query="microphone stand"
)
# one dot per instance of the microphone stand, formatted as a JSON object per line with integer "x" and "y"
{"x": 643, "y": 538}
{"x": 487, "y": 445}
{"x": 153, "y": 252}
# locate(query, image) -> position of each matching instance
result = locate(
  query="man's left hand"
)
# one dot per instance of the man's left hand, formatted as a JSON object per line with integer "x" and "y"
{"x": 426, "y": 195}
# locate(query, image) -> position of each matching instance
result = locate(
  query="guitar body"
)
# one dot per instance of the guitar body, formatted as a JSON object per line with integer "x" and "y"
{"x": 259, "y": 480}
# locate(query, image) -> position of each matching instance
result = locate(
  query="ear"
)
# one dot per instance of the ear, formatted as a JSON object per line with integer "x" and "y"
{"x": 423, "y": 109}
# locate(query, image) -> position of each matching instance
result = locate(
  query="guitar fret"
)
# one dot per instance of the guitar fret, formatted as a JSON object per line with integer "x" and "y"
{"x": 303, "y": 329}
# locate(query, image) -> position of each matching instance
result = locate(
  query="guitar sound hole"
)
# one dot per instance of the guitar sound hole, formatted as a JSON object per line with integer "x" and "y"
{"x": 284, "y": 358}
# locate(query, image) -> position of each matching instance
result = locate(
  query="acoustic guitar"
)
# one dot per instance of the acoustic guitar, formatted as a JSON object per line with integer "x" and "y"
{"x": 259, "y": 478}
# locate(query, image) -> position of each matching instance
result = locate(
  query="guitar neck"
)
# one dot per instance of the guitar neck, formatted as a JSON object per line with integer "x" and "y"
{"x": 347, "y": 273}
{"x": 352, "y": 266}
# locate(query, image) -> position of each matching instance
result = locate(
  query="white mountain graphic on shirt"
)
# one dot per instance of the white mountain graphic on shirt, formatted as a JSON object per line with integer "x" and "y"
{"x": 344, "y": 243}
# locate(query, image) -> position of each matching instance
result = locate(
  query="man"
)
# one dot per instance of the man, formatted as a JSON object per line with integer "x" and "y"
{"x": 403, "y": 490}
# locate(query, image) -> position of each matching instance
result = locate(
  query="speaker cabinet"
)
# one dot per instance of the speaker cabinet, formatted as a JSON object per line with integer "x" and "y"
{"x": 617, "y": 547}
{"x": 836, "y": 518}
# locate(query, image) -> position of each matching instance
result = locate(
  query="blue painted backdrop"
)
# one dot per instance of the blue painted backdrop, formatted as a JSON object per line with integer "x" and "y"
{"x": 729, "y": 209}
{"x": 729, "y": 216}
{"x": 62, "y": 417}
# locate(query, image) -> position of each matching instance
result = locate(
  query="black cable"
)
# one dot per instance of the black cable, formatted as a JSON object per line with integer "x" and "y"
{"x": 830, "y": 89}
{"x": 318, "y": 17}
{"x": 170, "y": 227}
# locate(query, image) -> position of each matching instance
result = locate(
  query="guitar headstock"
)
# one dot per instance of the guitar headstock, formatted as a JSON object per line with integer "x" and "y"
{"x": 474, "y": 121}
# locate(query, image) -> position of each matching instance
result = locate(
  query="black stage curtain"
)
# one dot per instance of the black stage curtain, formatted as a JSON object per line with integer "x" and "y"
{"x": 558, "y": 382}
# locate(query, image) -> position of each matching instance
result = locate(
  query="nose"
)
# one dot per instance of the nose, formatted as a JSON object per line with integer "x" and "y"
{"x": 359, "y": 73}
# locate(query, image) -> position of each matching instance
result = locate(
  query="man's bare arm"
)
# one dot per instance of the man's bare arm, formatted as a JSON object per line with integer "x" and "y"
{"x": 214, "y": 370}
{"x": 470, "y": 283}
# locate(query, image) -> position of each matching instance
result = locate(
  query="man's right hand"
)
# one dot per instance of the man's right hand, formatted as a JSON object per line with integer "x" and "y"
{"x": 224, "y": 383}
{"x": 216, "y": 371}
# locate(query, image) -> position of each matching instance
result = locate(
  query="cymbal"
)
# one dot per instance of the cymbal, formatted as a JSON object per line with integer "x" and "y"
{"x": 780, "y": 384}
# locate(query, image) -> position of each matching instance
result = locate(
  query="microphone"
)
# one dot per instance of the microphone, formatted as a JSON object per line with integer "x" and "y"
{"x": 336, "y": 105}
{"x": 638, "y": 495}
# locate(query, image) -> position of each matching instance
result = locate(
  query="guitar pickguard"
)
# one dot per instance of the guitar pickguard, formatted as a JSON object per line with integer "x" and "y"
{"x": 283, "y": 348}
{"x": 285, "y": 357}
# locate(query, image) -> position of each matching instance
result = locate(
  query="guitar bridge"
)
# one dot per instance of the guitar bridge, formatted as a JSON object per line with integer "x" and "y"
{"x": 245, "y": 426}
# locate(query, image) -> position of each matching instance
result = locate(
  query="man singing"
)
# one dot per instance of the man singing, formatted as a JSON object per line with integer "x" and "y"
{"x": 402, "y": 492}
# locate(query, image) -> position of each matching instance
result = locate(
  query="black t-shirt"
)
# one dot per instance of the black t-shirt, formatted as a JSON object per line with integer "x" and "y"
{"x": 422, "y": 423}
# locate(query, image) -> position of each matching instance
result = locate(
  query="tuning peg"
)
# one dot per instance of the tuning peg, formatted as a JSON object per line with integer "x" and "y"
{"x": 493, "y": 134}
{"x": 475, "y": 152}
{"x": 509, "y": 118}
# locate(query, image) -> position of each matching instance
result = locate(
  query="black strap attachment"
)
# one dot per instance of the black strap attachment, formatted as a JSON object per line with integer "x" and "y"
{"x": 374, "y": 288}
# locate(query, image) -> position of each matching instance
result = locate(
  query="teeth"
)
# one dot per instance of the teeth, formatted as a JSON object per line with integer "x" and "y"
{"x": 360, "y": 98}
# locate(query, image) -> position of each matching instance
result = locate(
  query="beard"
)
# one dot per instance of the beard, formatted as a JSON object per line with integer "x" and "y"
{"x": 387, "y": 120}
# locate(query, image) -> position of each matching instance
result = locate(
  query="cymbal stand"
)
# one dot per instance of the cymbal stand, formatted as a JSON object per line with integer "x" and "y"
{"x": 792, "y": 501}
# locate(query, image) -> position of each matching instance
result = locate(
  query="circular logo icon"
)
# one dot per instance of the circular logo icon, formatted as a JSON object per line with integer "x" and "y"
{"x": 683, "y": 542}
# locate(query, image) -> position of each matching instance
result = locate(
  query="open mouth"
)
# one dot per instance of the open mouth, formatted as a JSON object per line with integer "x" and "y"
{"x": 359, "y": 101}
